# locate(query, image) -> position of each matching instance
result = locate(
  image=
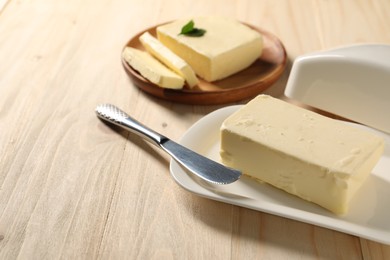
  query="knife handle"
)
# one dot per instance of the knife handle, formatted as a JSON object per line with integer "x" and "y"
{"x": 116, "y": 116}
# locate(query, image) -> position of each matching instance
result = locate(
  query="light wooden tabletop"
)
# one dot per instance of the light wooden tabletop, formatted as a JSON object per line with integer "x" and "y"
{"x": 71, "y": 187}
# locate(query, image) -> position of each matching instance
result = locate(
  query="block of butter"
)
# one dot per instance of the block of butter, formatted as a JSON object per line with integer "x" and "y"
{"x": 170, "y": 59}
{"x": 227, "y": 47}
{"x": 152, "y": 69}
{"x": 314, "y": 157}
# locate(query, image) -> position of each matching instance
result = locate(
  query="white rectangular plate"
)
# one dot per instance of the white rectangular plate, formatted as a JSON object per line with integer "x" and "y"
{"x": 369, "y": 213}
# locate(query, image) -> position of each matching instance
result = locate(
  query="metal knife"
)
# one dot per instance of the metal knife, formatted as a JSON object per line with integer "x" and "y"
{"x": 195, "y": 163}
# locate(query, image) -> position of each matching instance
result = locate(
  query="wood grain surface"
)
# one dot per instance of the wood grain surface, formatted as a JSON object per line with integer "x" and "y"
{"x": 72, "y": 187}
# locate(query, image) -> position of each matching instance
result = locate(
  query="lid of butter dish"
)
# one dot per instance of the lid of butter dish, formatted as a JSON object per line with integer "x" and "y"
{"x": 352, "y": 82}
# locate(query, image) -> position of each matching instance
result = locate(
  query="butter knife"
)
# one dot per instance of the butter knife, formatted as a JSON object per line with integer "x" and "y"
{"x": 195, "y": 163}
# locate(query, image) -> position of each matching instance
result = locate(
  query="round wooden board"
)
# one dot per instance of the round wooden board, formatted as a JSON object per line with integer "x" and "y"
{"x": 245, "y": 84}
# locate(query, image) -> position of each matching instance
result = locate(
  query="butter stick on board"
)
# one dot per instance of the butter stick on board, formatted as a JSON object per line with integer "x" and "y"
{"x": 227, "y": 46}
{"x": 153, "y": 70}
{"x": 168, "y": 58}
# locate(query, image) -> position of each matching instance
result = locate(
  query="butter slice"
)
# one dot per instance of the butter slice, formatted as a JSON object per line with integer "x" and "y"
{"x": 303, "y": 153}
{"x": 227, "y": 47}
{"x": 170, "y": 59}
{"x": 152, "y": 69}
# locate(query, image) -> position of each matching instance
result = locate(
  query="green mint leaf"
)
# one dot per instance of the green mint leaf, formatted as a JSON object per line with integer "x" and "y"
{"x": 190, "y": 30}
{"x": 188, "y": 27}
{"x": 196, "y": 32}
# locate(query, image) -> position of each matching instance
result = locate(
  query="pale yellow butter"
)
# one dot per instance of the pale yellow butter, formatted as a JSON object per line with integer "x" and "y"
{"x": 168, "y": 58}
{"x": 226, "y": 48}
{"x": 306, "y": 154}
{"x": 152, "y": 69}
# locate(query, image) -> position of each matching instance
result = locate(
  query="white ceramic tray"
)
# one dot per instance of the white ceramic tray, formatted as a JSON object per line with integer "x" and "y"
{"x": 369, "y": 214}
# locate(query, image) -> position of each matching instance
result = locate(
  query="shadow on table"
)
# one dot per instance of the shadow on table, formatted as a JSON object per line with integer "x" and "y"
{"x": 266, "y": 235}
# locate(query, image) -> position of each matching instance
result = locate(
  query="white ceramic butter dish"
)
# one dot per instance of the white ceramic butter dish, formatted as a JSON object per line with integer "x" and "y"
{"x": 352, "y": 82}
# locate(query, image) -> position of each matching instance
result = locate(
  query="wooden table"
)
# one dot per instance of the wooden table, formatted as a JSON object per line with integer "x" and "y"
{"x": 71, "y": 187}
